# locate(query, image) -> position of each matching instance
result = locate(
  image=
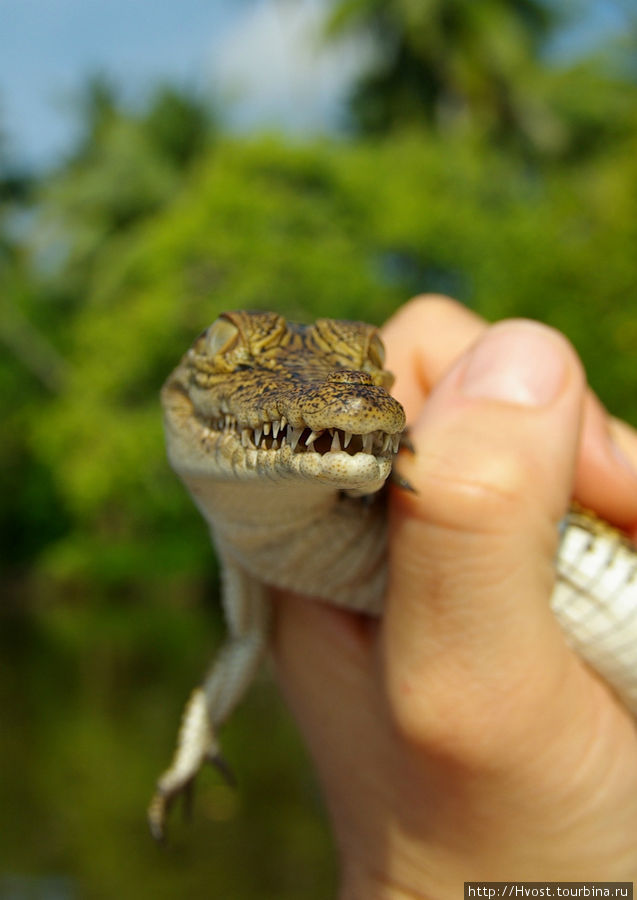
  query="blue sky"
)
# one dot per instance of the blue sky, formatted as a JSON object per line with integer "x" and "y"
{"x": 261, "y": 53}
{"x": 48, "y": 46}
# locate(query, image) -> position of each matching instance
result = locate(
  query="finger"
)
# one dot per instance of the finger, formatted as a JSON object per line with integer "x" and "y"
{"x": 302, "y": 630}
{"x": 323, "y": 664}
{"x": 422, "y": 340}
{"x": 625, "y": 440}
{"x": 606, "y": 473}
{"x": 468, "y": 627}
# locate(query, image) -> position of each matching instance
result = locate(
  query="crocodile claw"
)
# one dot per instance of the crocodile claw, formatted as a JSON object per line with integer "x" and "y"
{"x": 401, "y": 482}
{"x": 196, "y": 744}
{"x": 223, "y": 767}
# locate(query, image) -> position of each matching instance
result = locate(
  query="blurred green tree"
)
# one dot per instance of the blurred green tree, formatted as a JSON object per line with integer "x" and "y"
{"x": 455, "y": 65}
{"x": 482, "y": 69}
{"x": 55, "y": 229}
{"x": 127, "y": 165}
{"x": 31, "y": 370}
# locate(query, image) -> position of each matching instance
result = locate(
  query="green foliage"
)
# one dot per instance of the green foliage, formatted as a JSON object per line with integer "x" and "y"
{"x": 128, "y": 165}
{"x": 453, "y": 65}
{"x": 480, "y": 71}
{"x": 178, "y": 125}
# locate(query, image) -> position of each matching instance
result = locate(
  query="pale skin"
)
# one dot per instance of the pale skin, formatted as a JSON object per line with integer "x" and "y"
{"x": 459, "y": 738}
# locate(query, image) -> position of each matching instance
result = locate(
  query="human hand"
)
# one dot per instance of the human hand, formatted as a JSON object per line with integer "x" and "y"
{"x": 459, "y": 738}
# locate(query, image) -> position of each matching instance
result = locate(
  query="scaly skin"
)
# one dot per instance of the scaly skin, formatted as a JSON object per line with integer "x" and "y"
{"x": 284, "y": 435}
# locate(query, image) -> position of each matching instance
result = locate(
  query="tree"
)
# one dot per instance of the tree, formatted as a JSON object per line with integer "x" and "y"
{"x": 455, "y": 65}
{"x": 127, "y": 165}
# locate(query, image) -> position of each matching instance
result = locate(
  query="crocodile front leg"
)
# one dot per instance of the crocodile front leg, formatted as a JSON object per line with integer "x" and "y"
{"x": 247, "y": 614}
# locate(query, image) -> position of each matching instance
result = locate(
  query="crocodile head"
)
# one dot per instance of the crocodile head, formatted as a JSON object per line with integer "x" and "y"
{"x": 256, "y": 396}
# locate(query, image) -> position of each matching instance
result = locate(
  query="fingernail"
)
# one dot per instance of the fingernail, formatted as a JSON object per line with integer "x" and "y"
{"x": 518, "y": 363}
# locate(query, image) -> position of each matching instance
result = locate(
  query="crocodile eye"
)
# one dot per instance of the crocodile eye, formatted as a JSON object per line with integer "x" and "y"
{"x": 376, "y": 352}
{"x": 220, "y": 336}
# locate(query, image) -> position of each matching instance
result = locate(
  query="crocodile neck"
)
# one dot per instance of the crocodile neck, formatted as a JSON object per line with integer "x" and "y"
{"x": 276, "y": 530}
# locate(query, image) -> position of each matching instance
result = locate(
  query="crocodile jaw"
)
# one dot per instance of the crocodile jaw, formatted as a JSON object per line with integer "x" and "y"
{"x": 195, "y": 450}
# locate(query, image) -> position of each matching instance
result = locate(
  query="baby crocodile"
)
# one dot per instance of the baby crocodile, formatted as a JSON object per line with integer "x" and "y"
{"x": 285, "y": 434}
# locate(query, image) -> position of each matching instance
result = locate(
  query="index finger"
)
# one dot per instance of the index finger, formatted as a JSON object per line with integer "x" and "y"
{"x": 423, "y": 339}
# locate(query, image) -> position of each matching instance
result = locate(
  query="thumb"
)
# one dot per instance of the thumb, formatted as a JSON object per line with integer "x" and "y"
{"x": 468, "y": 635}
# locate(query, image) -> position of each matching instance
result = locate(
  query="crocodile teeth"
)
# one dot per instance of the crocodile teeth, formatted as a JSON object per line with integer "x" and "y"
{"x": 284, "y": 434}
{"x": 294, "y": 435}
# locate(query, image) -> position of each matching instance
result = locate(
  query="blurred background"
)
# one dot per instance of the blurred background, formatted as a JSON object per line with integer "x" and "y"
{"x": 160, "y": 163}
